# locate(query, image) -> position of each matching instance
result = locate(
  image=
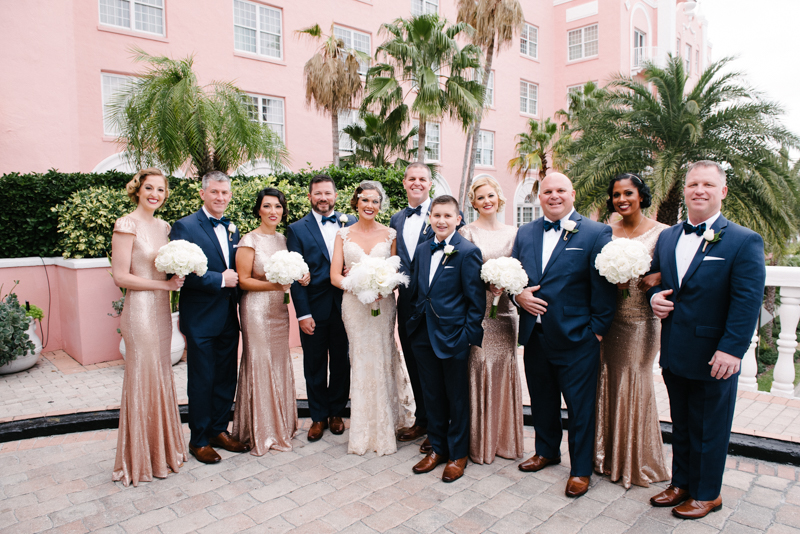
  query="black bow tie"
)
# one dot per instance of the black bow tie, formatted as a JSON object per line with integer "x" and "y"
{"x": 331, "y": 218}
{"x": 690, "y": 229}
{"x": 413, "y": 211}
{"x": 224, "y": 221}
{"x": 437, "y": 246}
{"x": 556, "y": 225}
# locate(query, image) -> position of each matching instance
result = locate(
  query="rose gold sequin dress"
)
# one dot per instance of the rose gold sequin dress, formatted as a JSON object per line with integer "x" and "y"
{"x": 495, "y": 390}
{"x": 628, "y": 442}
{"x": 150, "y": 440}
{"x": 266, "y": 412}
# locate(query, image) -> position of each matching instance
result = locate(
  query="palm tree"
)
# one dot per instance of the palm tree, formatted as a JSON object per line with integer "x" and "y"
{"x": 533, "y": 149}
{"x": 495, "y": 22}
{"x": 423, "y": 52}
{"x": 332, "y": 79}
{"x": 658, "y": 131}
{"x": 166, "y": 118}
{"x": 380, "y": 141}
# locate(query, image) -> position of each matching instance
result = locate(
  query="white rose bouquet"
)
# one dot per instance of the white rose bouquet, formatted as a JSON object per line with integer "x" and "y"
{"x": 374, "y": 277}
{"x": 506, "y": 273}
{"x": 181, "y": 257}
{"x": 283, "y": 268}
{"x": 622, "y": 260}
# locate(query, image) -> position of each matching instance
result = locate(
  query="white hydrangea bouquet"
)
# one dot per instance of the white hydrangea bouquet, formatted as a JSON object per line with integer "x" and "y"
{"x": 622, "y": 260}
{"x": 285, "y": 267}
{"x": 506, "y": 273}
{"x": 374, "y": 277}
{"x": 181, "y": 257}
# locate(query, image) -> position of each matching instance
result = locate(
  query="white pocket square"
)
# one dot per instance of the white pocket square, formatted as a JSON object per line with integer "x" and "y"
{"x": 712, "y": 258}
{"x": 449, "y": 267}
{"x": 573, "y": 249}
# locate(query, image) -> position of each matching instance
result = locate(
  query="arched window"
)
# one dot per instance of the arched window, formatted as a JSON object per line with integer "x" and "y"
{"x": 526, "y": 204}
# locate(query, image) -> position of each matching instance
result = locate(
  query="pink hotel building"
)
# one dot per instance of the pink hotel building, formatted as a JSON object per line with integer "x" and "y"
{"x": 64, "y": 59}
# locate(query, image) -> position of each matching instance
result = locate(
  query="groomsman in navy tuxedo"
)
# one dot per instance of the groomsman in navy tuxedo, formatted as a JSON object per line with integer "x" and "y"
{"x": 712, "y": 284}
{"x": 319, "y": 309}
{"x": 449, "y": 301}
{"x": 565, "y": 311}
{"x": 210, "y": 321}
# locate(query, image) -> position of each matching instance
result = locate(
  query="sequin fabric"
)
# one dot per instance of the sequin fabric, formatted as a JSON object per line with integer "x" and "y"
{"x": 495, "y": 389}
{"x": 150, "y": 441}
{"x": 265, "y": 416}
{"x": 628, "y": 444}
{"x": 381, "y": 400}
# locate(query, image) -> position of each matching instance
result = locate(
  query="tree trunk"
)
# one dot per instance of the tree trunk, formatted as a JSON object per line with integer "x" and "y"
{"x": 422, "y": 136}
{"x": 462, "y": 189}
{"x": 669, "y": 209}
{"x": 477, "y": 126}
{"x": 335, "y": 135}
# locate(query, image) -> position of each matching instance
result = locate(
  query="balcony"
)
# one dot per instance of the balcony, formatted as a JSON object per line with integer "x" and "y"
{"x": 641, "y": 55}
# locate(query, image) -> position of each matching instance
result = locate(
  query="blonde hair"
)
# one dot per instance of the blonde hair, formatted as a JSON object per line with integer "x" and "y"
{"x": 133, "y": 187}
{"x": 487, "y": 180}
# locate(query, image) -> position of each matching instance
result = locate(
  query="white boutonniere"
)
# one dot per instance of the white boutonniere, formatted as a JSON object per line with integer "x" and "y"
{"x": 711, "y": 237}
{"x": 427, "y": 226}
{"x": 570, "y": 227}
{"x": 343, "y": 219}
{"x": 449, "y": 250}
{"x": 231, "y": 231}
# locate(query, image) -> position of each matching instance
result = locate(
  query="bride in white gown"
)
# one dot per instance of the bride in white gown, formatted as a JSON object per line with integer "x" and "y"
{"x": 381, "y": 401}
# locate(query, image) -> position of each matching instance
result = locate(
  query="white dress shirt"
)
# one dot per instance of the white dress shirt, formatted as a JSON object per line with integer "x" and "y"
{"x": 328, "y": 231}
{"x": 222, "y": 236}
{"x": 549, "y": 241}
{"x": 687, "y": 247}
{"x": 413, "y": 227}
{"x": 436, "y": 258}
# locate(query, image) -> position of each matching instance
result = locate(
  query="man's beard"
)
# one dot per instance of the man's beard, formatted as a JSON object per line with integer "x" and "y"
{"x": 315, "y": 207}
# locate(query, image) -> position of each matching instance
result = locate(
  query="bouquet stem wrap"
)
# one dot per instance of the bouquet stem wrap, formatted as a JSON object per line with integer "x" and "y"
{"x": 286, "y": 298}
{"x": 376, "y": 308}
{"x": 493, "y": 313}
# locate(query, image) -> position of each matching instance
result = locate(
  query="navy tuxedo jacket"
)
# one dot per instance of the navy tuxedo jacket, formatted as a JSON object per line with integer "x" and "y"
{"x": 204, "y": 303}
{"x": 398, "y": 222}
{"x": 580, "y": 302}
{"x": 454, "y": 302}
{"x": 319, "y": 297}
{"x": 718, "y": 302}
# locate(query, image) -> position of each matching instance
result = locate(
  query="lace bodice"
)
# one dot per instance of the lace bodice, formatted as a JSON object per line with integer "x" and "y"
{"x": 353, "y": 251}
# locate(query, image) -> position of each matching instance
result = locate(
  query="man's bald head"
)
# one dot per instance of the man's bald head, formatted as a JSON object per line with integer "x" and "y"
{"x": 556, "y": 196}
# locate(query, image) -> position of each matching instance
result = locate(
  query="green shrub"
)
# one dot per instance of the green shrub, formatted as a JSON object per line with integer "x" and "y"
{"x": 14, "y": 340}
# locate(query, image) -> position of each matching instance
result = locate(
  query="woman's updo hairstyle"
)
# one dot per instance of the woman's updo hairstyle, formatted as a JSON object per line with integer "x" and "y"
{"x": 487, "y": 180}
{"x": 644, "y": 190}
{"x": 133, "y": 187}
{"x": 368, "y": 185}
{"x": 271, "y": 192}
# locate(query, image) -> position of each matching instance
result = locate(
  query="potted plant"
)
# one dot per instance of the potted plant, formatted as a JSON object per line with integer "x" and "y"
{"x": 20, "y": 347}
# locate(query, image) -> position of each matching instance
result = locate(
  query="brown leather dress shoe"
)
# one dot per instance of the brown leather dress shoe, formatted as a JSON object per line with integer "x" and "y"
{"x": 671, "y": 496}
{"x": 426, "y": 446}
{"x": 693, "y": 509}
{"x": 336, "y": 425}
{"x": 577, "y": 486}
{"x": 411, "y": 433}
{"x": 205, "y": 454}
{"x": 316, "y": 430}
{"x": 225, "y": 441}
{"x": 427, "y": 464}
{"x": 537, "y": 463}
{"x": 454, "y": 469}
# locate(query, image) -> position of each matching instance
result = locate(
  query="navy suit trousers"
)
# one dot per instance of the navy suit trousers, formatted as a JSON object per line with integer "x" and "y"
{"x": 405, "y": 309}
{"x": 328, "y": 345}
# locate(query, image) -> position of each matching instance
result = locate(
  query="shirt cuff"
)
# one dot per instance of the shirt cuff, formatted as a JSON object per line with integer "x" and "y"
{"x": 223, "y": 281}
{"x": 304, "y": 317}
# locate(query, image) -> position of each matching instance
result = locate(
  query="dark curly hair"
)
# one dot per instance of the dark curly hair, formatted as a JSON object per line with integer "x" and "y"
{"x": 270, "y": 192}
{"x": 644, "y": 191}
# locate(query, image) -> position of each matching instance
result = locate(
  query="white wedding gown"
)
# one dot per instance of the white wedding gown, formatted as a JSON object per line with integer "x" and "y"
{"x": 381, "y": 400}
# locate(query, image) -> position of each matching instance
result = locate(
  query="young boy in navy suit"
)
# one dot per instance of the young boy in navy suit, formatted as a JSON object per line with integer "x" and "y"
{"x": 449, "y": 302}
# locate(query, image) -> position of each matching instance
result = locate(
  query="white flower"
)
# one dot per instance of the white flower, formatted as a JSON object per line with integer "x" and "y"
{"x": 232, "y": 228}
{"x": 373, "y": 277}
{"x": 506, "y": 273}
{"x": 621, "y": 260}
{"x": 568, "y": 225}
{"x": 708, "y": 235}
{"x": 181, "y": 257}
{"x": 284, "y": 267}
{"x": 343, "y": 218}
{"x": 448, "y": 249}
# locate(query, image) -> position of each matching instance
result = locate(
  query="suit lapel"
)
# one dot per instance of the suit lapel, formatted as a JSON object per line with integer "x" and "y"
{"x": 424, "y": 232}
{"x": 671, "y": 245}
{"x": 537, "y": 227}
{"x": 561, "y": 244}
{"x": 313, "y": 228}
{"x": 718, "y": 225}
{"x": 425, "y": 270}
{"x": 402, "y": 250}
{"x": 205, "y": 224}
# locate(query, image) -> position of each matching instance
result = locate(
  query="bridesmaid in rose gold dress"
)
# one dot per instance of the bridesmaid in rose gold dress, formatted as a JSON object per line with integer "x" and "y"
{"x": 628, "y": 444}
{"x": 495, "y": 390}
{"x": 150, "y": 440}
{"x": 265, "y": 416}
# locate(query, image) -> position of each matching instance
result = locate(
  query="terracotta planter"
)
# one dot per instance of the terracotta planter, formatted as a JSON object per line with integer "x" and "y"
{"x": 22, "y": 363}
{"x": 176, "y": 346}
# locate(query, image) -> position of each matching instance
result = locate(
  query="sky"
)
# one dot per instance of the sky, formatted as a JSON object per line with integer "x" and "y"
{"x": 762, "y": 34}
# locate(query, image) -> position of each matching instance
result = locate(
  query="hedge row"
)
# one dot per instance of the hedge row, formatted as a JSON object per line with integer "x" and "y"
{"x": 73, "y": 215}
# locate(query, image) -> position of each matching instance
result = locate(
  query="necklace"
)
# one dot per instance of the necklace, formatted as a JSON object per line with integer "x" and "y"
{"x": 622, "y": 225}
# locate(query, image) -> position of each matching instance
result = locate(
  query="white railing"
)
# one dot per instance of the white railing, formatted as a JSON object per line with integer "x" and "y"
{"x": 641, "y": 55}
{"x": 787, "y": 280}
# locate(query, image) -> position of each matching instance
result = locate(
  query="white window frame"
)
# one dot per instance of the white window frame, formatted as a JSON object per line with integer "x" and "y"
{"x": 347, "y": 117}
{"x": 424, "y": 7}
{"x": 484, "y": 156}
{"x": 583, "y": 43}
{"x": 261, "y": 11}
{"x": 522, "y": 207}
{"x": 697, "y": 61}
{"x": 259, "y": 116}
{"x": 526, "y": 41}
{"x": 108, "y": 95}
{"x": 687, "y": 62}
{"x": 678, "y": 47}
{"x": 348, "y": 35}
{"x": 477, "y": 75}
{"x": 132, "y": 14}
{"x": 639, "y": 48}
{"x": 433, "y": 145}
{"x": 526, "y": 100}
